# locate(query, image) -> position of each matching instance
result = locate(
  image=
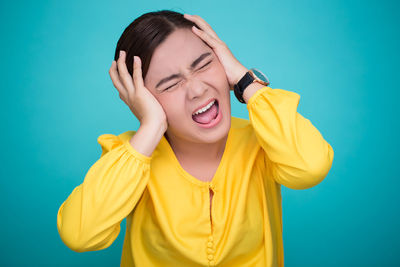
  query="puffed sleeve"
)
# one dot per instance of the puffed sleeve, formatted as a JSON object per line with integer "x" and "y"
{"x": 89, "y": 219}
{"x": 295, "y": 152}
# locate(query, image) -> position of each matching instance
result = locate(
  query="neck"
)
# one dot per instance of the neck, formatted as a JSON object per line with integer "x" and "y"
{"x": 199, "y": 152}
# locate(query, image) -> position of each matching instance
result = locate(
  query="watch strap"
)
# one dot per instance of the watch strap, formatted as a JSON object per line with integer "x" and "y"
{"x": 239, "y": 88}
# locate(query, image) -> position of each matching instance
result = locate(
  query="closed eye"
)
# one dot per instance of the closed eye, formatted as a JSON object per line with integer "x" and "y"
{"x": 178, "y": 82}
{"x": 170, "y": 86}
{"x": 206, "y": 64}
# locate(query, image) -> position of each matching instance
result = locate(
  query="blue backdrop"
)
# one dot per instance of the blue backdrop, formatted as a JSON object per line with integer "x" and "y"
{"x": 57, "y": 98}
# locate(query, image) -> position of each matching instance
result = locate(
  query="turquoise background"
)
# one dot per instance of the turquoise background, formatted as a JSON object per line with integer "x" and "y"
{"x": 340, "y": 56}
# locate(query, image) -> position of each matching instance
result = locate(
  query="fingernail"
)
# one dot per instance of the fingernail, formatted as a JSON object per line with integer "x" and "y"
{"x": 120, "y": 53}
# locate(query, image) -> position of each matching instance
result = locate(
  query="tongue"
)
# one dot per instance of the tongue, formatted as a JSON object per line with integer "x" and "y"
{"x": 207, "y": 116}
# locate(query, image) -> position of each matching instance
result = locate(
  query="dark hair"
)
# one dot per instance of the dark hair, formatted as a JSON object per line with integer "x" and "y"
{"x": 145, "y": 33}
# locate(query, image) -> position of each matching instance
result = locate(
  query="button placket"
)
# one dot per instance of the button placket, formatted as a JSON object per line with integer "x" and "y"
{"x": 211, "y": 189}
{"x": 210, "y": 243}
{"x": 210, "y": 250}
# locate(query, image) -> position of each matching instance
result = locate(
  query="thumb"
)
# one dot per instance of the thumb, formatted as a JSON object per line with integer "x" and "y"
{"x": 137, "y": 72}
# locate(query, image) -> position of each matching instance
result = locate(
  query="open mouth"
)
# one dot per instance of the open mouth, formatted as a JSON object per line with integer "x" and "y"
{"x": 208, "y": 115}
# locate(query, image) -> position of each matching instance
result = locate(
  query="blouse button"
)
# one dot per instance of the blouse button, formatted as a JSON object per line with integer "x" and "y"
{"x": 212, "y": 263}
{"x": 210, "y": 257}
{"x": 210, "y": 238}
{"x": 209, "y": 244}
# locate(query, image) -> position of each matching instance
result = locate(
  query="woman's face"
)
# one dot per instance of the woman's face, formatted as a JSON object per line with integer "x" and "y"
{"x": 191, "y": 89}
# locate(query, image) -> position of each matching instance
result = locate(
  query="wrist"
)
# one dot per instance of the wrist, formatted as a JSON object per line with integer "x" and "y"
{"x": 251, "y": 90}
{"x": 155, "y": 126}
{"x": 239, "y": 74}
{"x": 146, "y": 138}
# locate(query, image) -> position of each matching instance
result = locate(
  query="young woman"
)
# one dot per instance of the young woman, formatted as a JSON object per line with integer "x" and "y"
{"x": 197, "y": 186}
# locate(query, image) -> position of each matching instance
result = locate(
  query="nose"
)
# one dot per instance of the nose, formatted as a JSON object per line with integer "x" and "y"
{"x": 196, "y": 88}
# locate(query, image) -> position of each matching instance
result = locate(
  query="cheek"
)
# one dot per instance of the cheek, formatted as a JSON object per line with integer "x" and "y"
{"x": 219, "y": 67}
{"x": 218, "y": 72}
{"x": 221, "y": 83}
{"x": 173, "y": 106}
{"x": 220, "y": 80}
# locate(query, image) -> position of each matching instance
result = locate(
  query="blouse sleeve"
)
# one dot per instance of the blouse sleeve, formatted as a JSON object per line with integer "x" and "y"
{"x": 295, "y": 151}
{"x": 89, "y": 219}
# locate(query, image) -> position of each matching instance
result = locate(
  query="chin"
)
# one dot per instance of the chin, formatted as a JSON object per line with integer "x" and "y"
{"x": 216, "y": 133}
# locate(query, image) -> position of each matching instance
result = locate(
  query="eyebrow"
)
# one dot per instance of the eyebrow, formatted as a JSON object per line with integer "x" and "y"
{"x": 177, "y": 75}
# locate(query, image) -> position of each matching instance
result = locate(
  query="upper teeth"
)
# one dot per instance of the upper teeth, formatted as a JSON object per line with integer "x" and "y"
{"x": 205, "y": 108}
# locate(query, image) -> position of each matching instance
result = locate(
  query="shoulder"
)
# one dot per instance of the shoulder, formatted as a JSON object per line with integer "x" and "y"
{"x": 242, "y": 130}
{"x": 238, "y": 123}
{"x": 115, "y": 137}
{"x": 126, "y": 135}
{"x": 243, "y": 140}
{"x": 110, "y": 141}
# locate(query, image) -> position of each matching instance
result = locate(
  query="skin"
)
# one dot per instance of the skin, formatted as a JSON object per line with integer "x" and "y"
{"x": 191, "y": 143}
{"x": 199, "y": 150}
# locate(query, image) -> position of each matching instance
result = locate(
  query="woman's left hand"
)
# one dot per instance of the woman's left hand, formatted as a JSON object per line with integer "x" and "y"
{"x": 233, "y": 69}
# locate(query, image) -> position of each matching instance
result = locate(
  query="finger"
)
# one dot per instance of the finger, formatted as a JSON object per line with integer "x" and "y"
{"x": 137, "y": 72}
{"x": 124, "y": 75}
{"x": 202, "y": 24}
{"x": 115, "y": 80}
{"x": 206, "y": 37}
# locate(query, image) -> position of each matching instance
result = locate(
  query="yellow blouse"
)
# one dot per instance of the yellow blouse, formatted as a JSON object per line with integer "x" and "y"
{"x": 167, "y": 210}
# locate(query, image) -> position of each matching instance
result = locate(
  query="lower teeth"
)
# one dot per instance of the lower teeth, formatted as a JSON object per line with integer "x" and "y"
{"x": 216, "y": 103}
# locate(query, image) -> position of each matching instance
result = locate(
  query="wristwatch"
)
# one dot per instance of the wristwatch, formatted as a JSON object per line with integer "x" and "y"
{"x": 253, "y": 75}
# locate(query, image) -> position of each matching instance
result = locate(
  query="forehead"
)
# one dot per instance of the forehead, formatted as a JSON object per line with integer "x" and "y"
{"x": 175, "y": 54}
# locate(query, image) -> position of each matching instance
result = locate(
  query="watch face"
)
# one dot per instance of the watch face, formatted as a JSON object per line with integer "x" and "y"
{"x": 260, "y": 75}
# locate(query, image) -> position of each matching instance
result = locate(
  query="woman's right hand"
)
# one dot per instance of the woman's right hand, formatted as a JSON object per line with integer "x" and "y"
{"x": 133, "y": 92}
